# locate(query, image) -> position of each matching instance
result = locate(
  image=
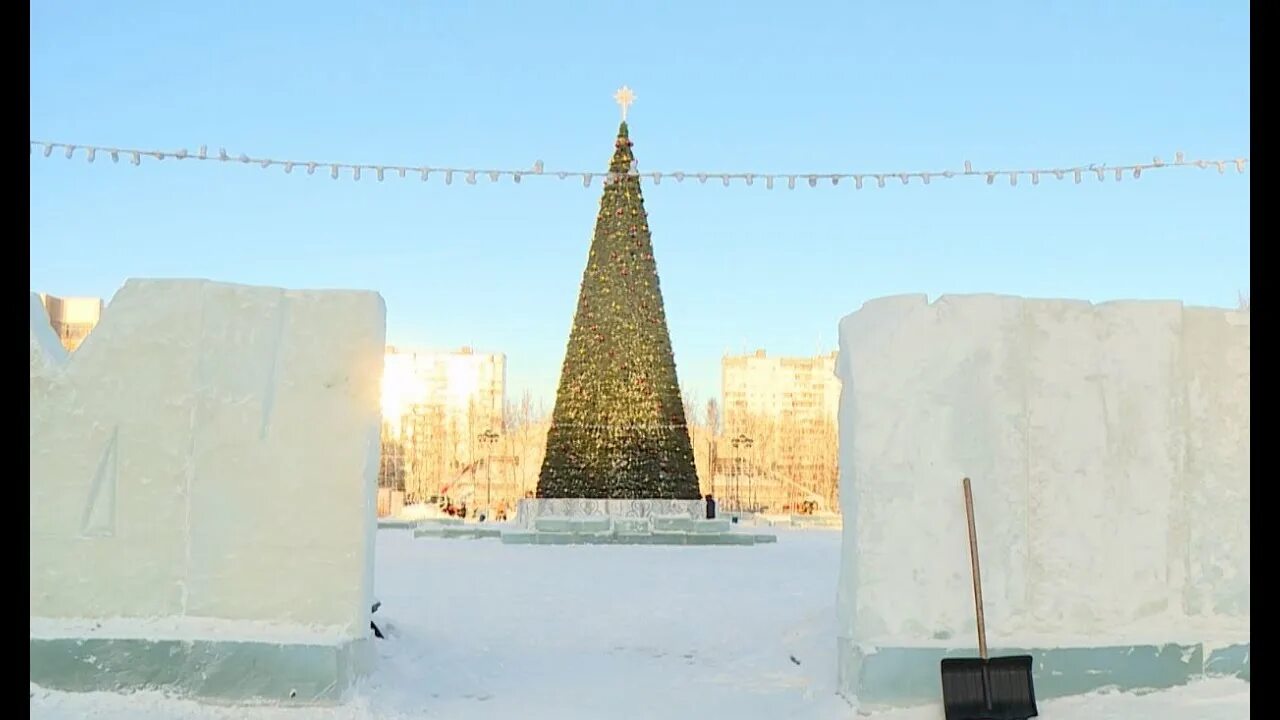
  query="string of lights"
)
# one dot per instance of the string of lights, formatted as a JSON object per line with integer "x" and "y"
{"x": 356, "y": 171}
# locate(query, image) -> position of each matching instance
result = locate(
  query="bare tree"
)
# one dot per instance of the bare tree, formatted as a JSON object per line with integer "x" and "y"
{"x": 690, "y": 402}
{"x": 526, "y": 440}
{"x": 391, "y": 471}
{"x": 746, "y": 459}
{"x": 828, "y": 447}
{"x": 811, "y": 463}
{"x": 712, "y": 444}
{"x": 778, "y": 463}
{"x": 703, "y": 440}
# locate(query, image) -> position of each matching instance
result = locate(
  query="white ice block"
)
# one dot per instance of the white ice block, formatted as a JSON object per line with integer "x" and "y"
{"x": 1109, "y": 451}
{"x": 209, "y": 452}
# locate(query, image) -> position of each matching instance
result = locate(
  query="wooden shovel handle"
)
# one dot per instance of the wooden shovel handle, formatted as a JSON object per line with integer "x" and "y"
{"x": 977, "y": 573}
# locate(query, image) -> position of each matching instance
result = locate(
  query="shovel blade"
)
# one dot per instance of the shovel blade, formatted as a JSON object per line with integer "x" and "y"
{"x": 994, "y": 689}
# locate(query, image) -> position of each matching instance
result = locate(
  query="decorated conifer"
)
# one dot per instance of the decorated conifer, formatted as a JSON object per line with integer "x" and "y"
{"x": 618, "y": 429}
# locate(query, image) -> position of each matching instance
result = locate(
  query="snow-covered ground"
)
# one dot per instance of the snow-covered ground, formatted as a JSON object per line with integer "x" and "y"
{"x": 477, "y": 629}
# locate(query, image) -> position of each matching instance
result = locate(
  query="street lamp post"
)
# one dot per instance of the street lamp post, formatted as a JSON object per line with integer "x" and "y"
{"x": 737, "y": 470}
{"x": 488, "y": 438}
{"x": 740, "y": 442}
{"x": 711, "y": 461}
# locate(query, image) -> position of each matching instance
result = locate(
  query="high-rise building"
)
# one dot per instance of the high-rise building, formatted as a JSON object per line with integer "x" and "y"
{"x": 801, "y": 388}
{"x": 463, "y": 383}
{"x": 442, "y": 418}
{"x": 778, "y": 447}
{"x": 72, "y": 318}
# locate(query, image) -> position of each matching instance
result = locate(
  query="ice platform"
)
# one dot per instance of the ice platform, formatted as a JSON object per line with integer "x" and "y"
{"x": 896, "y": 675}
{"x": 396, "y": 524}
{"x": 656, "y": 530}
{"x": 215, "y": 660}
{"x": 530, "y": 509}
{"x": 456, "y": 530}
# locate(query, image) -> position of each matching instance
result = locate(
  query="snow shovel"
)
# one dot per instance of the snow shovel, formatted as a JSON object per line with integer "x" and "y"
{"x": 984, "y": 688}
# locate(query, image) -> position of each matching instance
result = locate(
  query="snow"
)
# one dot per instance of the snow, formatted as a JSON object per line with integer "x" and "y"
{"x": 1109, "y": 450}
{"x": 478, "y": 630}
{"x": 210, "y": 451}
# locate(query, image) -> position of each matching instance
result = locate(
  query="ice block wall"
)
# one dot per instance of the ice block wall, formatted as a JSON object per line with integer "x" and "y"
{"x": 207, "y": 460}
{"x": 1109, "y": 451}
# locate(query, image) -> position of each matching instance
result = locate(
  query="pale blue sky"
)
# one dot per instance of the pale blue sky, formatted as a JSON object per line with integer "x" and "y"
{"x": 735, "y": 85}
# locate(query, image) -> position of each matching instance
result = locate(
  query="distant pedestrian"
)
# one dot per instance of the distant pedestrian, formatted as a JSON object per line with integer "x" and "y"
{"x": 711, "y": 507}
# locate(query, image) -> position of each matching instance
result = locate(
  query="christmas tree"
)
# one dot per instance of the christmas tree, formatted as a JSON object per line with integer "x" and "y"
{"x": 618, "y": 429}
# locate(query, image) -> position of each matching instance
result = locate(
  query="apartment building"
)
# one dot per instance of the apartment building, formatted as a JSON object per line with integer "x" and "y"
{"x": 778, "y": 450}
{"x": 72, "y": 318}
{"x": 442, "y": 415}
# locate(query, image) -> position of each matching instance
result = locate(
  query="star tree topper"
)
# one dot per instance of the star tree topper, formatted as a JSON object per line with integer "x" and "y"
{"x": 624, "y": 97}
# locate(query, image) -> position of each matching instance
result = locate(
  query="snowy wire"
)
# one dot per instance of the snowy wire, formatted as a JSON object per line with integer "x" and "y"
{"x": 355, "y": 171}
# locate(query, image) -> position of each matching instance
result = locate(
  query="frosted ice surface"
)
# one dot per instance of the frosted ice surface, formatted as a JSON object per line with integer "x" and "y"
{"x": 210, "y": 453}
{"x": 45, "y": 348}
{"x": 1109, "y": 449}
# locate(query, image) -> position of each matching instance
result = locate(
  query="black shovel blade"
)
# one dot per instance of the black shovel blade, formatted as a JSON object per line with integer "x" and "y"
{"x": 995, "y": 689}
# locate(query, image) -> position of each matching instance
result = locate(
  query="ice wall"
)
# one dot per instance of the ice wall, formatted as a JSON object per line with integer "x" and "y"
{"x": 207, "y": 456}
{"x": 1109, "y": 450}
